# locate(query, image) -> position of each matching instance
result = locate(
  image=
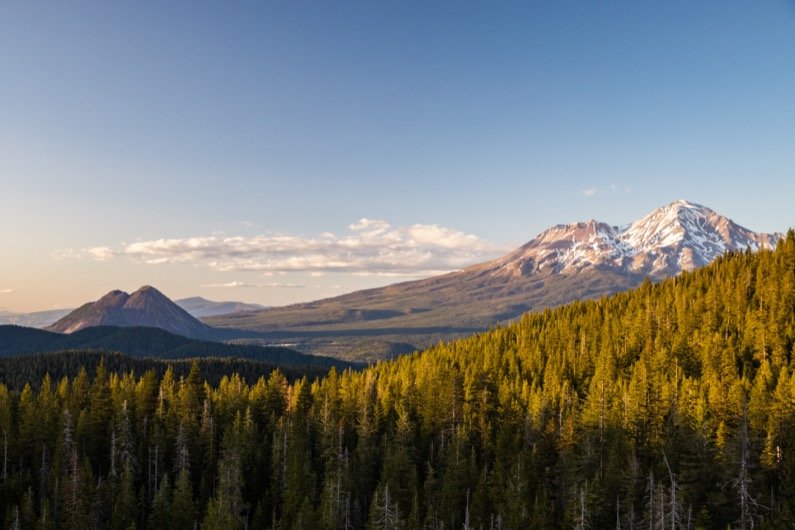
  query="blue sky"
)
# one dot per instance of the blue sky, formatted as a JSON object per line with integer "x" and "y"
{"x": 196, "y": 132}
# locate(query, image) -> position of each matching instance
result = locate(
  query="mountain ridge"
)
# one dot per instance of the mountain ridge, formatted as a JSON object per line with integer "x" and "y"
{"x": 200, "y": 307}
{"x": 679, "y": 236}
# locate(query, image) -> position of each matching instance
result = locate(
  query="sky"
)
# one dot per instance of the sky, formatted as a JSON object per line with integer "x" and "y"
{"x": 275, "y": 152}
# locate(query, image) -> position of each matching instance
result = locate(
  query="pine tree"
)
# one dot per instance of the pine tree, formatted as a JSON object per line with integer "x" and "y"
{"x": 160, "y": 513}
{"x": 125, "y": 504}
{"x": 225, "y": 510}
{"x": 183, "y": 508}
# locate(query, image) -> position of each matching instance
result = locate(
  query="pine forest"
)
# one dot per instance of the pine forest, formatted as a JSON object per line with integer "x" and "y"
{"x": 669, "y": 406}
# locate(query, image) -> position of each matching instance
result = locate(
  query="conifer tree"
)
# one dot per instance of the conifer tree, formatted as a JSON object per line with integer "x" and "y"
{"x": 160, "y": 513}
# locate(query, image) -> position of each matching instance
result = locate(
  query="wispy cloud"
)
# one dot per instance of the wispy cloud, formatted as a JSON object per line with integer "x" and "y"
{"x": 100, "y": 253}
{"x": 236, "y": 284}
{"x": 6, "y": 291}
{"x": 228, "y": 285}
{"x": 589, "y": 192}
{"x": 370, "y": 246}
{"x": 63, "y": 254}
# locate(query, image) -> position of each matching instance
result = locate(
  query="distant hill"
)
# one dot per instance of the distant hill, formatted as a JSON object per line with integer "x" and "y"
{"x": 200, "y": 307}
{"x": 562, "y": 264}
{"x": 140, "y": 342}
{"x": 36, "y": 319}
{"x": 146, "y": 307}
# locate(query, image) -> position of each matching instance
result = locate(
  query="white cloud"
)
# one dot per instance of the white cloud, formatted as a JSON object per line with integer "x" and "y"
{"x": 228, "y": 285}
{"x": 420, "y": 273}
{"x": 371, "y": 246}
{"x": 589, "y": 192}
{"x": 64, "y": 254}
{"x": 6, "y": 291}
{"x": 95, "y": 253}
{"x": 101, "y": 253}
{"x": 236, "y": 284}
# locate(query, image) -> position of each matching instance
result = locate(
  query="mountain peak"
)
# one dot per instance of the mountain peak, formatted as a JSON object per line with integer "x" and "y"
{"x": 684, "y": 203}
{"x": 580, "y": 230}
{"x": 680, "y": 210}
{"x": 146, "y": 307}
{"x": 681, "y": 235}
{"x": 113, "y": 299}
{"x": 147, "y": 291}
{"x": 671, "y": 224}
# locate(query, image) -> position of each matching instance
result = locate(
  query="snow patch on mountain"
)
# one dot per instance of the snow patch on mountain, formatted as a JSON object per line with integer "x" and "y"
{"x": 677, "y": 237}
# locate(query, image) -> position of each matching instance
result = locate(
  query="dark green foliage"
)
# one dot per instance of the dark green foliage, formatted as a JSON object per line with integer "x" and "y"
{"x": 141, "y": 342}
{"x": 671, "y": 406}
{"x": 16, "y": 372}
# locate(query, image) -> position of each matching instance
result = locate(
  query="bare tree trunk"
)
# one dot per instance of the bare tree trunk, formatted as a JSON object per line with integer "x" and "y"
{"x": 466, "y": 515}
{"x": 674, "y": 514}
{"x": 743, "y": 480}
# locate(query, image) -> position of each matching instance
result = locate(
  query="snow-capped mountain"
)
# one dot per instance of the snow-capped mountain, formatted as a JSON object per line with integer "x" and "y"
{"x": 676, "y": 237}
{"x": 562, "y": 264}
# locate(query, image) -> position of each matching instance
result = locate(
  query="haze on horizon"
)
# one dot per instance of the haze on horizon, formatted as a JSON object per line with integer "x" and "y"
{"x": 290, "y": 152}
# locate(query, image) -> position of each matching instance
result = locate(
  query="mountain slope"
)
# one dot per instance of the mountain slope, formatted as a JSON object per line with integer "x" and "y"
{"x": 146, "y": 307}
{"x": 562, "y": 264}
{"x": 199, "y": 307}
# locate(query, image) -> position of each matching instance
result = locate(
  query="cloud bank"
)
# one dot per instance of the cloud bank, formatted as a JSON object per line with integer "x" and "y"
{"x": 371, "y": 246}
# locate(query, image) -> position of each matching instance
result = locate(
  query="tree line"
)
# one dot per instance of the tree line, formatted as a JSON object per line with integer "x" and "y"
{"x": 21, "y": 370}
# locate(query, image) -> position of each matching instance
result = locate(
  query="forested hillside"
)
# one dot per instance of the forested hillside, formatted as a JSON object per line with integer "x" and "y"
{"x": 152, "y": 343}
{"x": 671, "y": 406}
{"x": 16, "y": 372}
